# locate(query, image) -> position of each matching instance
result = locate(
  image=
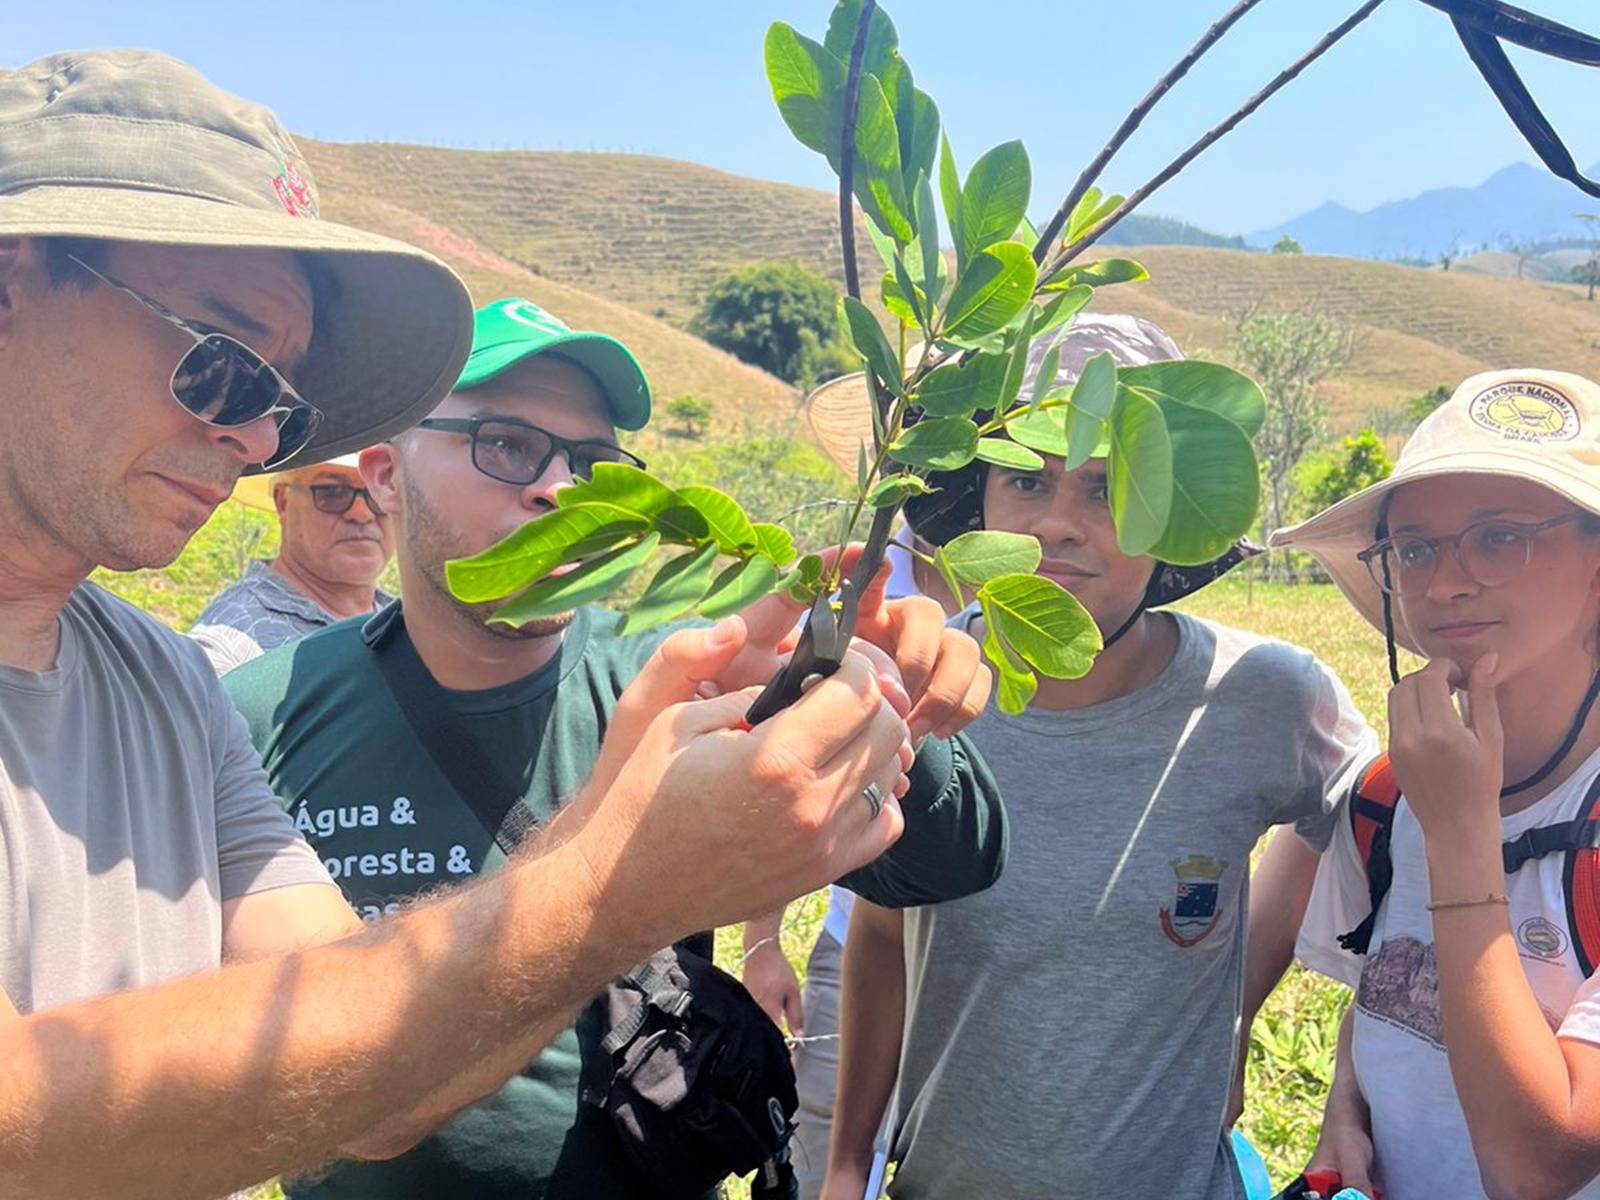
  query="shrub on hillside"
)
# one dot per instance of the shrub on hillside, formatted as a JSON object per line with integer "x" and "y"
{"x": 781, "y": 317}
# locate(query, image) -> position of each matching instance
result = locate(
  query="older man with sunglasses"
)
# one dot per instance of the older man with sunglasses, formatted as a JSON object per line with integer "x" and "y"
{"x": 334, "y": 542}
{"x": 187, "y": 1004}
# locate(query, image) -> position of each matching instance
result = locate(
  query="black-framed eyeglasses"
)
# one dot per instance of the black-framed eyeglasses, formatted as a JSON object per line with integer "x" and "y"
{"x": 1490, "y": 553}
{"x": 336, "y": 499}
{"x": 224, "y": 383}
{"x": 516, "y": 452}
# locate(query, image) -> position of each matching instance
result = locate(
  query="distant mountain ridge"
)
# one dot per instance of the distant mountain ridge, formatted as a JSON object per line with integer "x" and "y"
{"x": 1518, "y": 203}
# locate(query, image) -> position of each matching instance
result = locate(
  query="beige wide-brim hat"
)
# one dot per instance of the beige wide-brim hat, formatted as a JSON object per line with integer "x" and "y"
{"x": 1538, "y": 425}
{"x": 133, "y": 146}
{"x": 255, "y": 491}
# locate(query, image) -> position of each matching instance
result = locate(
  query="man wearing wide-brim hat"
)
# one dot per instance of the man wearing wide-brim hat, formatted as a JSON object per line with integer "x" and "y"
{"x": 333, "y": 543}
{"x": 173, "y": 315}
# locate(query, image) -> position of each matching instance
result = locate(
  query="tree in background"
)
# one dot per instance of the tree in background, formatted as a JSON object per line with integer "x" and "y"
{"x": 1589, "y": 272}
{"x": 1290, "y": 354}
{"x": 1417, "y": 408}
{"x": 778, "y": 316}
{"x": 1328, "y": 476}
{"x": 693, "y": 414}
{"x": 1287, "y": 245}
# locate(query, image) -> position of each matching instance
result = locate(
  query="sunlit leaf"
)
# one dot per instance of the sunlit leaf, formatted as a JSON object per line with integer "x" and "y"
{"x": 1139, "y": 472}
{"x": 1015, "y": 682}
{"x": 938, "y": 443}
{"x": 725, "y": 519}
{"x": 557, "y": 537}
{"x": 1049, "y": 629}
{"x": 986, "y": 554}
{"x": 676, "y": 588}
{"x": 960, "y": 389}
{"x": 1003, "y": 452}
{"x": 739, "y": 586}
{"x": 993, "y": 200}
{"x": 992, "y": 289}
{"x": 1093, "y": 398}
{"x": 1044, "y": 431}
{"x": 594, "y": 580}
{"x": 1098, "y": 274}
{"x": 1216, "y": 486}
{"x": 774, "y": 541}
{"x": 1222, "y": 390}
{"x": 896, "y": 488}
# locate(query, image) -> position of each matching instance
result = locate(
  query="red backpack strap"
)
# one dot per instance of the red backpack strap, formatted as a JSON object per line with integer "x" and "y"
{"x": 1372, "y": 805}
{"x": 1581, "y": 880}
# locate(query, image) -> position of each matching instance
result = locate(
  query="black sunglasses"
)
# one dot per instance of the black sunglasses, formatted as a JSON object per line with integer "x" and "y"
{"x": 335, "y": 499}
{"x": 224, "y": 383}
{"x": 516, "y": 452}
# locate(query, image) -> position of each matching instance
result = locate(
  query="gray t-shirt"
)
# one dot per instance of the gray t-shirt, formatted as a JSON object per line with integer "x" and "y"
{"x": 1070, "y": 1032}
{"x": 132, "y": 804}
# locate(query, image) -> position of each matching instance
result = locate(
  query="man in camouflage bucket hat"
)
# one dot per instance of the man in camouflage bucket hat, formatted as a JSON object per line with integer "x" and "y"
{"x": 1111, "y": 955}
{"x": 173, "y": 314}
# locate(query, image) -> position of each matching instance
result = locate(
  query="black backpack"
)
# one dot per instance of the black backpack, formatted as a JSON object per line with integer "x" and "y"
{"x": 695, "y": 1078}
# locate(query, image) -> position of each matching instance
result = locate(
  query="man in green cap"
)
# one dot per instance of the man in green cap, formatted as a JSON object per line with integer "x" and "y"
{"x": 536, "y": 407}
{"x": 187, "y": 1004}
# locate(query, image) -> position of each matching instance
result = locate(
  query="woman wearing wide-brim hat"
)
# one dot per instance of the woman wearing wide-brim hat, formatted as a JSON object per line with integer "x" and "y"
{"x": 1462, "y": 898}
{"x": 1071, "y": 1031}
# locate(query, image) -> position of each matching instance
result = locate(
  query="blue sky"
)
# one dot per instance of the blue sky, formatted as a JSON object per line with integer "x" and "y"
{"x": 1393, "y": 110}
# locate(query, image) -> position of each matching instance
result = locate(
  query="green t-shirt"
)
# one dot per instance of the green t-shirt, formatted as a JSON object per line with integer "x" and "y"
{"x": 388, "y": 825}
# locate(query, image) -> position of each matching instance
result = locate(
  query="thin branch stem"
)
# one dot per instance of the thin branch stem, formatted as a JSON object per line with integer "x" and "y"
{"x": 1131, "y": 124}
{"x": 1283, "y": 78}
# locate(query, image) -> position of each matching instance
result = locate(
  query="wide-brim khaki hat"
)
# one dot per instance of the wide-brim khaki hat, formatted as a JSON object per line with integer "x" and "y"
{"x": 1538, "y": 425}
{"x": 255, "y": 491}
{"x": 133, "y": 146}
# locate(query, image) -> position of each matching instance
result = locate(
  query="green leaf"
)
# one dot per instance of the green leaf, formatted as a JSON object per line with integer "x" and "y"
{"x": 868, "y": 338}
{"x": 739, "y": 586}
{"x": 1003, "y": 452}
{"x": 1017, "y": 365}
{"x": 807, "y": 81}
{"x": 1216, "y": 486}
{"x": 942, "y": 565}
{"x": 1222, "y": 390}
{"x": 895, "y": 488}
{"x": 805, "y": 580}
{"x": 917, "y": 117}
{"x": 895, "y": 300}
{"x": 991, "y": 290}
{"x": 1026, "y": 232}
{"x": 725, "y": 519}
{"x": 774, "y": 541}
{"x": 1048, "y": 628}
{"x": 1015, "y": 682}
{"x": 883, "y": 244}
{"x": 960, "y": 389}
{"x": 938, "y": 443}
{"x": 986, "y": 554}
{"x": 1093, "y": 398}
{"x": 911, "y": 298}
{"x": 1091, "y": 210}
{"x": 993, "y": 200}
{"x": 880, "y": 185}
{"x": 1045, "y": 381}
{"x": 1044, "y": 431}
{"x": 632, "y": 490}
{"x": 1058, "y": 310}
{"x": 1139, "y": 472}
{"x": 882, "y": 39}
{"x": 863, "y": 468}
{"x": 539, "y": 546}
{"x": 676, "y": 588}
{"x": 1104, "y": 273}
{"x": 950, "y": 188}
{"x": 928, "y": 241}
{"x": 595, "y": 580}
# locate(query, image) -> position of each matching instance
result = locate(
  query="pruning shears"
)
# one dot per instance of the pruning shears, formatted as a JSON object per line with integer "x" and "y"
{"x": 830, "y": 625}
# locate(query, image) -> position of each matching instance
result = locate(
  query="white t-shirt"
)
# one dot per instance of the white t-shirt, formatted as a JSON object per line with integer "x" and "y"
{"x": 1418, "y": 1129}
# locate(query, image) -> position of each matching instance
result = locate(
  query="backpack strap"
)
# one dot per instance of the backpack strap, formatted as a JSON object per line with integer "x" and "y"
{"x": 1581, "y": 882}
{"x": 1372, "y": 805}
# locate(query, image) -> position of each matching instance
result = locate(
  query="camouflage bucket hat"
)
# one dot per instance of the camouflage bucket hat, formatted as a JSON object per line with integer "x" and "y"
{"x": 133, "y": 146}
{"x": 841, "y": 417}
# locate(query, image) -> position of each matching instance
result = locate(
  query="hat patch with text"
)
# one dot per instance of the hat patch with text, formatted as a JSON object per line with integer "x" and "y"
{"x": 1523, "y": 411}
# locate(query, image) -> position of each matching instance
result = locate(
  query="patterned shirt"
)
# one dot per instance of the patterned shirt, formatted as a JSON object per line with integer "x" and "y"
{"x": 260, "y": 612}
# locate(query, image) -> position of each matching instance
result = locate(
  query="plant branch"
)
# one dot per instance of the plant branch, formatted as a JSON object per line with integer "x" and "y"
{"x": 1132, "y": 122}
{"x": 1183, "y": 160}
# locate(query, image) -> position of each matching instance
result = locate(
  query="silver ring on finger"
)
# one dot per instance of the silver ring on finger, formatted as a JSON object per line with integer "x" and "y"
{"x": 873, "y": 795}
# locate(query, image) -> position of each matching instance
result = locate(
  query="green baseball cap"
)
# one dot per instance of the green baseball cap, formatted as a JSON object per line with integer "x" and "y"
{"x": 508, "y": 331}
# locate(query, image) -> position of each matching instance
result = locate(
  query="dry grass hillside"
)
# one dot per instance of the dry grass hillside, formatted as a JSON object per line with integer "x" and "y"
{"x": 652, "y": 233}
{"x": 676, "y": 362}
{"x": 1416, "y": 328}
{"x": 629, "y": 244}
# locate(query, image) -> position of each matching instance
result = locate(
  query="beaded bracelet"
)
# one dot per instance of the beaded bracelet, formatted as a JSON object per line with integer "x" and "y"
{"x": 1490, "y": 899}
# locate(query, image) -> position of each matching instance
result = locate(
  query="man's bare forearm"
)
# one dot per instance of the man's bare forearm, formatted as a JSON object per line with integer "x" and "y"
{"x": 871, "y": 1021}
{"x": 206, "y": 1084}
